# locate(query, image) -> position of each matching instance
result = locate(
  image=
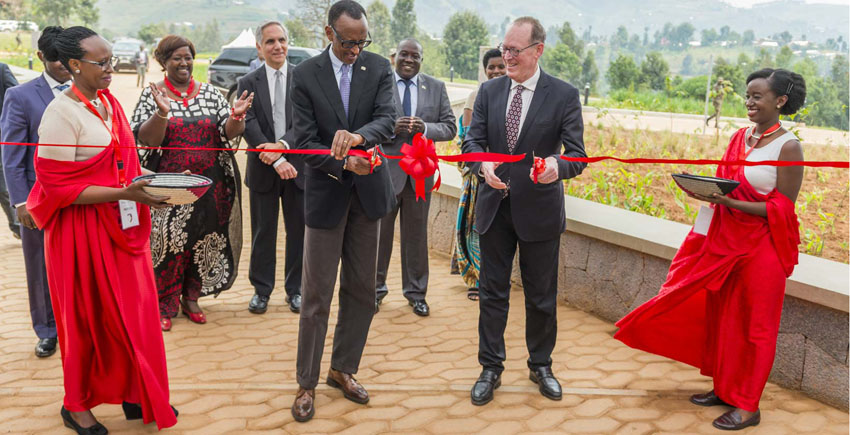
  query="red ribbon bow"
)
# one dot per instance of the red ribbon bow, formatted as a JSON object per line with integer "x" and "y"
{"x": 420, "y": 162}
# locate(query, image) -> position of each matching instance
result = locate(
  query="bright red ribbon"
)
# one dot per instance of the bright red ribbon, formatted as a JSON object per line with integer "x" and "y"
{"x": 830, "y": 164}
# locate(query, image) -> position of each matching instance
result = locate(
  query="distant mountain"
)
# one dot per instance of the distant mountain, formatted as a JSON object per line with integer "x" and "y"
{"x": 817, "y": 22}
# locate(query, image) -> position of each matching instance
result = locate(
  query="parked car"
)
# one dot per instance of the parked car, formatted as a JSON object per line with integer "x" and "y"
{"x": 234, "y": 62}
{"x": 126, "y": 51}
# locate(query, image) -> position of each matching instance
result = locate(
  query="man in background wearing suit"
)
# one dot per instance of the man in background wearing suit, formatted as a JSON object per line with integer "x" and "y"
{"x": 531, "y": 112}
{"x": 7, "y": 80}
{"x": 22, "y": 110}
{"x": 273, "y": 180}
{"x": 342, "y": 100}
{"x": 426, "y": 109}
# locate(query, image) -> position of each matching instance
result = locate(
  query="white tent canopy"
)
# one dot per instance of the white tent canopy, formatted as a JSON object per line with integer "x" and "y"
{"x": 245, "y": 39}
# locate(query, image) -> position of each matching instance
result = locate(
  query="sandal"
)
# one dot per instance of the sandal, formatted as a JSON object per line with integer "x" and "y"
{"x": 472, "y": 294}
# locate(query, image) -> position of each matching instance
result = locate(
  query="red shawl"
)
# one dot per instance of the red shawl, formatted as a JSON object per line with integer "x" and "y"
{"x": 101, "y": 283}
{"x": 675, "y": 323}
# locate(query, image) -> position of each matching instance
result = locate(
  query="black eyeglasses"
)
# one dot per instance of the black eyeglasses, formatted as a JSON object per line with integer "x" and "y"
{"x": 102, "y": 64}
{"x": 350, "y": 43}
{"x": 514, "y": 51}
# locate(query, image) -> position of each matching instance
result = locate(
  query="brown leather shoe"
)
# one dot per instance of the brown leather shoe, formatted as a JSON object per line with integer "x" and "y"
{"x": 732, "y": 420}
{"x": 302, "y": 408}
{"x": 707, "y": 399}
{"x": 351, "y": 389}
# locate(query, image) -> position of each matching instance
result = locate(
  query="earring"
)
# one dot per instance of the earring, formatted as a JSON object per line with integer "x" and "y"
{"x": 777, "y": 106}
{"x": 77, "y": 71}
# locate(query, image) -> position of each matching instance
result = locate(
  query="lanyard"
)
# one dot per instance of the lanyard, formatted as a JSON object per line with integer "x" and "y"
{"x": 122, "y": 173}
{"x": 767, "y": 132}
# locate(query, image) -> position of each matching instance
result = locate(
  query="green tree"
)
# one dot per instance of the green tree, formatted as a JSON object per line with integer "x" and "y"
{"x": 589, "y": 71}
{"x": 840, "y": 74}
{"x": 404, "y": 21}
{"x": 298, "y": 32}
{"x": 620, "y": 39}
{"x": 463, "y": 34}
{"x": 687, "y": 65}
{"x": 784, "y": 38}
{"x": 783, "y": 58}
{"x": 88, "y": 12}
{"x": 732, "y": 73}
{"x": 682, "y": 35}
{"x": 433, "y": 57}
{"x": 623, "y": 73}
{"x": 763, "y": 60}
{"x": 314, "y": 15}
{"x": 563, "y": 63}
{"x": 149, "y": 32}
{"x": 748, "y": 37}
{"x": 380, "y": 28}
{"x": 709, "y": 37}
{"x": 62, "y": 12}
{"x": 568, "y": 37}
{"x": 654, "y": 70}
{"x": 806, "y": 68}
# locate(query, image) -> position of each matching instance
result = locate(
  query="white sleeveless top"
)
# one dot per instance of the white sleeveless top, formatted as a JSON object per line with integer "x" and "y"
{"x": 763, "y": 178}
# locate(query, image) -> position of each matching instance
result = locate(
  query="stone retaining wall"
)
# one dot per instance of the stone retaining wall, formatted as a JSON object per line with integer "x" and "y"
{"x": 609, "y": 280}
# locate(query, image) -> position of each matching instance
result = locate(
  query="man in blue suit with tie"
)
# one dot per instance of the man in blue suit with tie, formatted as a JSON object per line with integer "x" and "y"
{"x": 19, "y": 121}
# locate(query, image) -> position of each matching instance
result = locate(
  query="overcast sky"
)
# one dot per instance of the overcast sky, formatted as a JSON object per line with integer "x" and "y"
{"x": 748, "y": 3}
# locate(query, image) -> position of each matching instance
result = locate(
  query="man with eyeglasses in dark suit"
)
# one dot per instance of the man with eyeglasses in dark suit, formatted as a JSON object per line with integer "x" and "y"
{"x": 342, "y": 100}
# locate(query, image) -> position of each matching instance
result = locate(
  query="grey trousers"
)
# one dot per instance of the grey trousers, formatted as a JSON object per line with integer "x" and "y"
{"x": 354, "y": 241}
{"x": 414, "y": 244}
{"x": 41, "y": 309}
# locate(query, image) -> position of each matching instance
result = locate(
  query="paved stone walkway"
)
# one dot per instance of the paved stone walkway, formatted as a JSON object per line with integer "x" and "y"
{"x": 236, "y": 374}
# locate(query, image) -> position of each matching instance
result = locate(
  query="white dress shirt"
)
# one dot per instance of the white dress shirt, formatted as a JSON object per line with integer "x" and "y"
{"x": 414, "y": 91}
{"x": 53, "y": 83}
{"x": 270, "y": 76}
{"x": 527, "y": 94}
{"x": 337, "y": 66}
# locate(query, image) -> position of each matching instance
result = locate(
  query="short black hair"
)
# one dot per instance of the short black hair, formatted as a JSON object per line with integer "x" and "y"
{"x": 347, "y": 7}
{"x": 784, "y": 82}
{"x": 489, "y": 54}
{"x": 46, "y": 42}
{"x": 67, "y": 44}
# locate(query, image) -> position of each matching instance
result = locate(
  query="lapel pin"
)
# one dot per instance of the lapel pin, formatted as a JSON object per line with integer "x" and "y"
{"x": 363, "y": 68}
{"x": 423, "y": 87}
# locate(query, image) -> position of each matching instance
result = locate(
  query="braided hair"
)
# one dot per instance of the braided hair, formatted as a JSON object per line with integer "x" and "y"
{"x": 46, "y": 42}
{"x": 67, "y": 44}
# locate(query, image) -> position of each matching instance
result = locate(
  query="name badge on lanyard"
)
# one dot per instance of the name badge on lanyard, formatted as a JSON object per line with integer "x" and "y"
{"x": 127, "y": 209}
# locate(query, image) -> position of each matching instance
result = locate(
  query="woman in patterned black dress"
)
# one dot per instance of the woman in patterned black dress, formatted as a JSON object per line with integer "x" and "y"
{"x": 195, "y": 247}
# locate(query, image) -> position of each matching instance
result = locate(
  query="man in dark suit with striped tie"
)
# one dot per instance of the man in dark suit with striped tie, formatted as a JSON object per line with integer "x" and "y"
{"x": 19, "y": 122}
{"x": 342, "y": 100}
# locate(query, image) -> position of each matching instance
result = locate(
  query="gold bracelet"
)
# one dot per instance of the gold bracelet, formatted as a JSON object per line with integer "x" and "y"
{"x": 161, "y": 116}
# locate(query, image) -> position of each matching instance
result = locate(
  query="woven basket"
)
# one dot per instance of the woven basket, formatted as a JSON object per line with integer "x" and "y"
{"x": 179, "y": 188}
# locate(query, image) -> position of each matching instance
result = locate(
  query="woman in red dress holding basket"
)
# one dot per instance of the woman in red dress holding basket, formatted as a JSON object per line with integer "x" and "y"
{"x": 96, "y": 226}
{"x": 720, "y": 307}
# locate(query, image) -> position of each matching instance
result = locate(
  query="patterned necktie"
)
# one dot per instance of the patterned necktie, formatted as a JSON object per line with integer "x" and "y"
{"x": 345, "y": 86}
{"x": 62, "y": 87}
{"x": 512, "y": 121}
{"x": 512, "y": 128}
{"x": 405, "y": 103}
{"x": 279, "y": 112}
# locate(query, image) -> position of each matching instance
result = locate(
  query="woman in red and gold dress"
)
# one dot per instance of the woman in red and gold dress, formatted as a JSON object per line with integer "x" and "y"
{"x": 720, "y": 307}
{"x": 98, "y": 259}
{"x": 196, "y": 246}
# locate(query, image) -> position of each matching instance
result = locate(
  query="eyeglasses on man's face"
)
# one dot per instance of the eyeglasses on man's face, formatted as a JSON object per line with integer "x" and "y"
{"x": 104, "y": 64}
{"x": 350, "y": 43}
{"x": 514, "y": 51}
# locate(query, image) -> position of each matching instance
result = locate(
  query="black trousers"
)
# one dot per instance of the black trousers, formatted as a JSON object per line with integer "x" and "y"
{"x": 265, "y": 210}
{"x": 539, "y": 270}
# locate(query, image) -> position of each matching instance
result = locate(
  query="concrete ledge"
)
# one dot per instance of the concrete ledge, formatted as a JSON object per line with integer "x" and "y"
{"x": 612, "y": 260}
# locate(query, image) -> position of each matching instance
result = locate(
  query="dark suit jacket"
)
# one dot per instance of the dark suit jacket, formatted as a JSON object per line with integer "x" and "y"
{"x": 259, "y": 128}
{"x": 19, "y": 121}
{"x": 318, "y": 114}
{"x": 434, "y": 107}
{"x": 553, "y": 123}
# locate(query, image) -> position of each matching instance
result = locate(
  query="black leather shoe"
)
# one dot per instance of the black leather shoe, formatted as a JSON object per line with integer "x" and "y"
{"x": 45, "y": 347}
{"x": 133, "y": 411}
{"x": 482, "y": 390}
{"x": 420, "y": 308}
{"x": 294, "y": 303}
{"x": 96, "y": 429}
{"x": 732, "y": 420}
{"x": 259, "y": 304}
{"x": 549, "y": 386}
{"x": 707, "y": 399}
{"x": 379, "y": 297}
